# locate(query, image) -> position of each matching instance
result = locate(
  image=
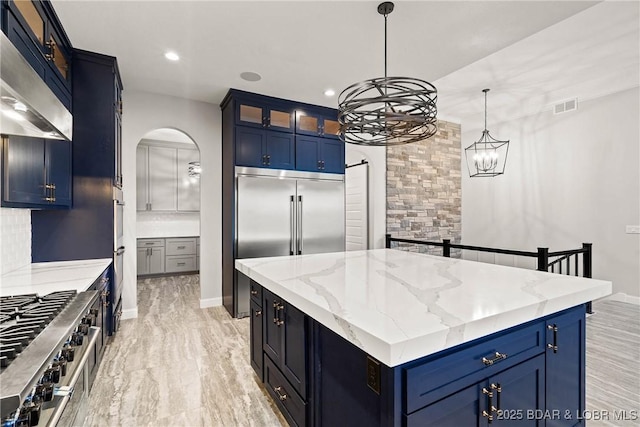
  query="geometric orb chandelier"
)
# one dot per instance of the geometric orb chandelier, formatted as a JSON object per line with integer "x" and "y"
{"x": 487, "y": 156}
{"x": 387, "y": 111}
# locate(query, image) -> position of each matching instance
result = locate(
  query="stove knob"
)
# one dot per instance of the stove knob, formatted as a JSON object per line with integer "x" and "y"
{"x": 62, "y": 363}
{"x": 53, "y": 374}
{"x": 68, "y": 353}
{"x": 45, "y": 391}
{"x": 34, "y": 408}
{"x": 87, "y": 320}
{"x": 77, "y": 338}
{"x": 24, "y": 419}
{"x": 84, "y": 328}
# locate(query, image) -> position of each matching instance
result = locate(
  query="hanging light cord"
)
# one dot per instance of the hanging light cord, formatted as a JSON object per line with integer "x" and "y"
{"x": 385, "y": 45}
{"x": 485, "y": 109}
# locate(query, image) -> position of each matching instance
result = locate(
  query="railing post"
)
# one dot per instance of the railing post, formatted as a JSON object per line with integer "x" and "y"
{"x": 543, "y": 259}
{"x": 446, "y": 248}
{"x": 387, "y": 241}
{"x": 586, "y": 267}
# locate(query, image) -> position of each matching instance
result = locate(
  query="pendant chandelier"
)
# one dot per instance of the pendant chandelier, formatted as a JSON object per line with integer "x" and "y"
{"x": 387, "y": 111}
{"x": 487, "y": 156}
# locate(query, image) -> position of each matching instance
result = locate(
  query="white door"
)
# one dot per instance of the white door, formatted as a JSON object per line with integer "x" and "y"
{"x": 357, "y": 207}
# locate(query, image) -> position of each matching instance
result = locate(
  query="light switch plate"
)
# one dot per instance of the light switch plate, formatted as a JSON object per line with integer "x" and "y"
{"x": 633, "y": 229}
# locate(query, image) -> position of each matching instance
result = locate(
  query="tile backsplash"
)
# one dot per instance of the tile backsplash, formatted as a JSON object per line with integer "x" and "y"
{"x": 15, "y": 239}
{"x": 167, "y": 224}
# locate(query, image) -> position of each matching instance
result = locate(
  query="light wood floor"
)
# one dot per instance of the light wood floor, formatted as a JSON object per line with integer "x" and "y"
{"x": 179, "y": 365}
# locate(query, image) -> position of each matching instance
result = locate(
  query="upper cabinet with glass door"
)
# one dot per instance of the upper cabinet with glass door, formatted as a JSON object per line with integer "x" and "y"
{"x": 317, "y": 123}
{"x": 257, "y": 113}
{"x": 35, "y": 30}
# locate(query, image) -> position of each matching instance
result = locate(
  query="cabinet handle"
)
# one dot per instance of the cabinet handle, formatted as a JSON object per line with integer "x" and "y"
{"x": 51, "y": 56}
{"x": 268, "y": 160}
{"x": 181, "y": 264}
{"x": 496, "y": 358}
{"x": 105, "y": 304}
{"x": 264, "y": 159}
{"x": 268, "y": 122}
{"x": 181, "y": 247}
{"x": 277, "y": 307}
{"x": 254, "y": 292}
{"x": 487, "y": 414}
{"x": 149, "y": 243}
{"x": 258, "y": 313}
{"x": 323, "y": 165}
{"x": 553, "y": 346}
{"x": 281, "y": 396}
{"x": 498, "y": 388}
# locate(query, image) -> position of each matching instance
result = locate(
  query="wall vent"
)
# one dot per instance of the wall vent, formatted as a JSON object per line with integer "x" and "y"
{"x": 565, "y": 106}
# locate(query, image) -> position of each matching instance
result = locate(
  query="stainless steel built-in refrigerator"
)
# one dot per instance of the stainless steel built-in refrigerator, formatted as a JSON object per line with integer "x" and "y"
{"x": 285, "y": 213}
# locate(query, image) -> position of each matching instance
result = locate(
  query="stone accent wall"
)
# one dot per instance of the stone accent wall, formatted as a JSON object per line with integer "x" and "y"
{"x": 424, "y": 189}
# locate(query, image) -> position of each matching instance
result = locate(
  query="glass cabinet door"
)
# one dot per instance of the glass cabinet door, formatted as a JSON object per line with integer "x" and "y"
{"x": 32, "y": 17}
{"x": 57, "y": 56}
{"x": 264, "y": 116}
{"x": 316, "y": 124}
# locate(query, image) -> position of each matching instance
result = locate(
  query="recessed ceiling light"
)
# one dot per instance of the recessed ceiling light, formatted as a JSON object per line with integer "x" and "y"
{"x": 329, "y": 92}
{"x": 250, "y": 76}
{"x": 171, "y": 56}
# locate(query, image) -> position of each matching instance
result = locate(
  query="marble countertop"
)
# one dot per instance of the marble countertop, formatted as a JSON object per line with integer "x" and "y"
{"x": 399, "y": 306}
{"x": 46, "y": 277}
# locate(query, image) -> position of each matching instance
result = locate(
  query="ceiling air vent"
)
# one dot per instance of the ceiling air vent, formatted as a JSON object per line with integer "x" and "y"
{"x": 566, "y": 106}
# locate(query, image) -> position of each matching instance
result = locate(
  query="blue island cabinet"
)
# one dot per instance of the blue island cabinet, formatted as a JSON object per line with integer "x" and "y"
{"x": 528, "y": 375}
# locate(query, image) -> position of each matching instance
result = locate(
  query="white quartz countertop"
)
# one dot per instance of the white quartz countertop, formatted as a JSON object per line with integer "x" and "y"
{"x": 399, "y": 306}
{"x": 46, "y": 277}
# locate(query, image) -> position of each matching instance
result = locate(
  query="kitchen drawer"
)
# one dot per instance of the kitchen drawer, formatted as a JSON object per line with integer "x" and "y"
{"x": 181, "y": 246}
{"x": 284, "y": 395}
{"x": 178, "y": 263}
{"x": 151, "y": 243}
{"x": 256, "y": 293}
{"x": 436, "y": 378}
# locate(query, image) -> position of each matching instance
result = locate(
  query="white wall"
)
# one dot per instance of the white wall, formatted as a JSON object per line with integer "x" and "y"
{"x": 167, "y": 224}
{"x": 569, "y": 178}
{"x": 377, "y": 158}
{"x": 15, "y": 239}
{"x": 201, "y": 121}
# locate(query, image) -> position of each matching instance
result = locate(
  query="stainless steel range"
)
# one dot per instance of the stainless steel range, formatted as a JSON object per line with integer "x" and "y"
{"x": 46, "y": 344}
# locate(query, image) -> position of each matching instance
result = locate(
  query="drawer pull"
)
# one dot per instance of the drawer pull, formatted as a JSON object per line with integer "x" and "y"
{"x": 258, "y": 313}
{"x": 496, "y": 358}
{"x": 281, "y": 396}
{"x": 149, "y": 243}
{"x": 181, "y": 247}
{"x": 254, "y": 292}
{"x": 181, "y": 264}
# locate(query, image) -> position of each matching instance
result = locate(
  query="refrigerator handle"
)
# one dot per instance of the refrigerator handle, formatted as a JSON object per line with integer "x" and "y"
{"x": 299, "y": 225}
{"x": 292, "y": 228}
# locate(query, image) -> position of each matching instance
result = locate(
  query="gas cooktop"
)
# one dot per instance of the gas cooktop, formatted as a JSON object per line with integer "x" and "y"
{"x": 23, "y": 318}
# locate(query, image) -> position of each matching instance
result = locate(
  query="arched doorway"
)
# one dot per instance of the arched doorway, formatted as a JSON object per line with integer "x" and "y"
{"x": 167, "y": 217}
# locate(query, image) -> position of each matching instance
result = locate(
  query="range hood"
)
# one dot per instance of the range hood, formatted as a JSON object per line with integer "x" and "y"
{"x": 28, "y": 107}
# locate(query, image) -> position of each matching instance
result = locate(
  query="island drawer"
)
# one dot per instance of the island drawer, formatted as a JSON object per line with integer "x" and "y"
{"x": 464, "y": 365}
{"x": 151, "y": 243}
{"x": 256, "y": 293}
{"x": 176, "y": 264}
{"x": 181, "y": 246}
{"x": 284, "y": 395}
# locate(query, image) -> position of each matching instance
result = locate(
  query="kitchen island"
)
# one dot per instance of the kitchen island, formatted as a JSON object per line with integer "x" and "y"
{"x": 393, "y": 338}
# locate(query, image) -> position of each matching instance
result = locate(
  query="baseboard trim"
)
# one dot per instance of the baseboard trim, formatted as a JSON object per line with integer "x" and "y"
{"x": 131, "y": 313}
{"x": 210, "y": 302}
{"x": 629, "y": 299}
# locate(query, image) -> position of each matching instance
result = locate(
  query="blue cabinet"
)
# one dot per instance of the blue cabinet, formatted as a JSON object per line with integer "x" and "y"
{"x": 565, "y": 367}
{"x": 512, "y": 397}
{"x": 37, "y": 173}
{"x": 266, "y": 132}
{"x": 315, "y": 154}
{"x": 34, "y": 28}
{"x": 264, "y": 148}
{"x": 313, "y": 122}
